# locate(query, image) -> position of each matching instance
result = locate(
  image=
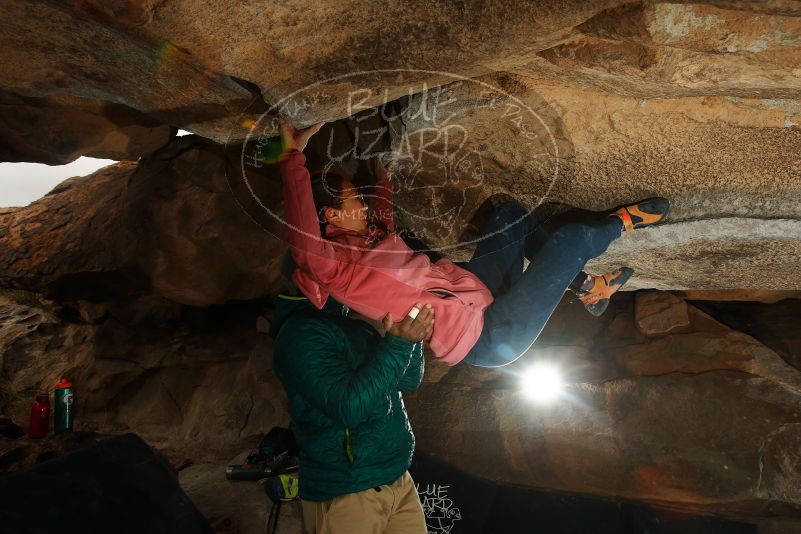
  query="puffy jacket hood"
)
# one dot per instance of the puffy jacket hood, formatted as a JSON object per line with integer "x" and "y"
{"x": 288, "y": 305}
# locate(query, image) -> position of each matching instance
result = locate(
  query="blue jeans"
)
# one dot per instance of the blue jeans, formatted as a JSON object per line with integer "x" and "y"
{"x": 525, "y": 300}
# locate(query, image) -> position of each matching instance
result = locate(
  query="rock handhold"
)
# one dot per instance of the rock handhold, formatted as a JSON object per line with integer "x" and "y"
{"x": 658, "y": 313}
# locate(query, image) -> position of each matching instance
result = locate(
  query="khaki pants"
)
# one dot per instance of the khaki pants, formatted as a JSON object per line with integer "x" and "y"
{"x": 395, "y": 509}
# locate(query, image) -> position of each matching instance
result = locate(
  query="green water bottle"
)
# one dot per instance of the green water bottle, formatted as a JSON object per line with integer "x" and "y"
{"x": 63, "y": 407}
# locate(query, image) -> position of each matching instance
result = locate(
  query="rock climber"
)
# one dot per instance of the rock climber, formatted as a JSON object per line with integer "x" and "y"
{"x": 490, "y": 311}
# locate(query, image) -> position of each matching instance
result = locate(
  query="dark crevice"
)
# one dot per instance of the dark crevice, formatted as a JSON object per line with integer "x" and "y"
{"x": 247, "y": 415}
{"x": 774, "y": 325}
{"x": 257, "y": 105}
{"x": 170, "y": 395}
{"x": 98, "y": 286}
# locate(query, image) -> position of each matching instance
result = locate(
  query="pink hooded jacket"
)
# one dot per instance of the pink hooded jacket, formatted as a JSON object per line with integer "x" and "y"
{"x": 387, "y": 277}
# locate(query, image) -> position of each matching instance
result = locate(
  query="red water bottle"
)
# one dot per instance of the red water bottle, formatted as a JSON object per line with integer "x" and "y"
{"x": 40, "y": 417}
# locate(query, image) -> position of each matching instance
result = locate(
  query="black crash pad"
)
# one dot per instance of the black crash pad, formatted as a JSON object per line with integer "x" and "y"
{"x": 117, "y": 486}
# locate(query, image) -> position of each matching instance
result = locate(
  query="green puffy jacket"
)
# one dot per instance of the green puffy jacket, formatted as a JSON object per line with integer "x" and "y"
{"x": 344, "y": 383}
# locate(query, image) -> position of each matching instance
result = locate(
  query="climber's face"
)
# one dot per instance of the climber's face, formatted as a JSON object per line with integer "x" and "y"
{"x": 352, "y": 211}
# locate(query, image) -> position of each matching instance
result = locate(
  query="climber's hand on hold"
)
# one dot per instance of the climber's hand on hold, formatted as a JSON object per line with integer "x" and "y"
{"x": 412, "y": 328}
{"x": 294, "y": 139}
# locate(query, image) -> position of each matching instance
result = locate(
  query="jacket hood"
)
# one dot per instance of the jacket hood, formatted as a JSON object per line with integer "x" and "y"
{"x": 288, "y": 305}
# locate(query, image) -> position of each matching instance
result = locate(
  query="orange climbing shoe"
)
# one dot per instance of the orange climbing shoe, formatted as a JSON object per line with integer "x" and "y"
{"x": 596, "y": 300}
{"x": 643, "y": 213}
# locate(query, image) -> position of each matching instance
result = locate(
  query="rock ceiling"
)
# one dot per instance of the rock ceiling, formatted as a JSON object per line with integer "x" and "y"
{"x": 586, "y": 103}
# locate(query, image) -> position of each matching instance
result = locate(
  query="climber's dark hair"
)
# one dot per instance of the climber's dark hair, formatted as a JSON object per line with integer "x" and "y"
{"x": 327, "y": 191}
